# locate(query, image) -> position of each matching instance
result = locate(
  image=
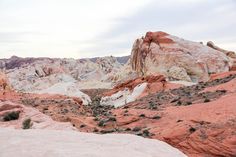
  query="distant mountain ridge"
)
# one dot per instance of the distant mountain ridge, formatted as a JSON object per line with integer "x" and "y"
{"x": 15, "y": 61}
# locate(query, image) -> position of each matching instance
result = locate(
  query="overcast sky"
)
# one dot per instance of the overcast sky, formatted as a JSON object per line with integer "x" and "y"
{"x": 88, "y": 28}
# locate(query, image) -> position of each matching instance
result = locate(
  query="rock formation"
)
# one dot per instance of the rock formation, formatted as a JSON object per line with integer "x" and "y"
{"x": 230, "y": 54}
{"x": 131, "y": 90}
{"x": 161, "y": 53}
{"x": 38, "y": 120}
{"x": 53, "y": 143}
{"x": 64, "y": 76}
{"x": 171, "y": 89}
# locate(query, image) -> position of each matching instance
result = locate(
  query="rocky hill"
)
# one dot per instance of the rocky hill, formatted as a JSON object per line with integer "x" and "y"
{"x": 178, "y": 59}
{"x": 64, "y": 76}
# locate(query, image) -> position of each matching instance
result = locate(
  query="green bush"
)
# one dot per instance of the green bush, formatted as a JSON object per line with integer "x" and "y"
{"x": 152, "y": 105}
{"x": 11, "y": 116}
{"x": 207, "y": 100}
{"x": 26, "y": 124}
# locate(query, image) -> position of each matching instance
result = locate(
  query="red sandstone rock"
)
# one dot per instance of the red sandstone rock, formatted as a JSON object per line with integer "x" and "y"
{"x": 161, "y": 53}
{"x": 158, "y": 38}
{"x": 38, "y": 119}
{"x": 230, "y": 54}
{"x": 130, "y": 84}
{"x": 212, "y": 123}
{"x": 221, "y": 75}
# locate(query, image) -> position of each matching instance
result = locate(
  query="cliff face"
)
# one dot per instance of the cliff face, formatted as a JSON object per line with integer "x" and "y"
{"x": 159, "y": 52}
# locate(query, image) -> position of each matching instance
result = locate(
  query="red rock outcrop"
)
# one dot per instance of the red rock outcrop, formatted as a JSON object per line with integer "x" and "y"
{"x": 161, "y": 53}
{"x": 131, "y": 84}
{"x": 200, "y": 128}
{"x": 230, "y": 54}
{"x": 38, "y": 120}
{"x": 134, "y": 89}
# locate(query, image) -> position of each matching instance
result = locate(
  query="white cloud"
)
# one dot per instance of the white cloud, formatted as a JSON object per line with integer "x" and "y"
{"x": 54, "y": 26}
{"x": 87, "y": 28}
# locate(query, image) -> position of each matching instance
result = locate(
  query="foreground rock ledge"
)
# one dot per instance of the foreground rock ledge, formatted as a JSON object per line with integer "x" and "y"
{"x": 41, "y": 143}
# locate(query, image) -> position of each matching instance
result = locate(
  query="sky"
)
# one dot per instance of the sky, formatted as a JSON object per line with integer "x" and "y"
{"x": 91, "y": 28}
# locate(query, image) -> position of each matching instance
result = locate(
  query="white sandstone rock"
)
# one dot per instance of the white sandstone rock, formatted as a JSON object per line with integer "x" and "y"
{"x": 123, "y": 97}
{"x": 52, "y": 143}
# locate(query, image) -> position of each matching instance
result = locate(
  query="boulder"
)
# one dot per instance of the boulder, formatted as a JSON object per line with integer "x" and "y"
{"x": 161, "y": 53}
{"x": 230, "y": 54}
{"x": 54, "y": 143}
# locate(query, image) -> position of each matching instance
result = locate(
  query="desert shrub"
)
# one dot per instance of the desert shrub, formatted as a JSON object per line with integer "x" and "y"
{"x": 191, "y": 129}
{"x": 113, "y": 119}
{"x": 11, "y": 116}
{"x": 26, "y": 124}
{"x": 188, "y": 103}
{"x": 135, "y": 129}
{"x": 146, "y": 133}
{"x": 156, "y": 117}
{"x": 207, "y": 100}
{"x": 102, "y": 123}
{"x": 142, "y": 115}
{"x": 127, "y": 129}
{"x": 152, "y": 105}
{"x": 179, "y": 103}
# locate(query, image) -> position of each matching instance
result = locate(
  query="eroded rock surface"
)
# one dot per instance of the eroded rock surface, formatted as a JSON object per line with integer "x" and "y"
{"x": 134, "y": 89}
{"x": 230, "y": 54}
{"x": 64, "y": 76}
{"x": 37, "y": 120}
{"x": 40, "y": 143}
{"x": 161, "y": 53}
